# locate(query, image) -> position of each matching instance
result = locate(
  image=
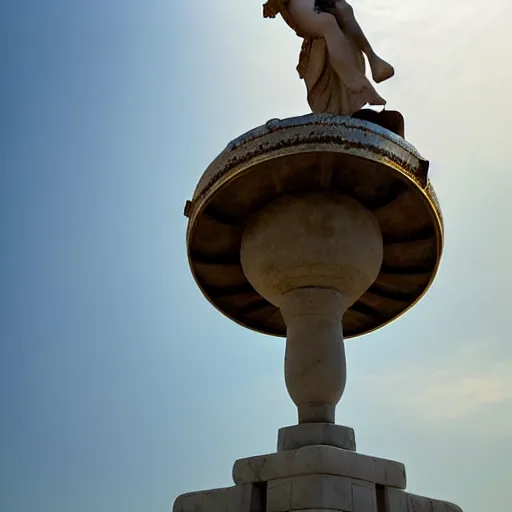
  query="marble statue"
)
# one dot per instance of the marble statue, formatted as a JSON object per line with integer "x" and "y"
{"x": 332, "y": 57}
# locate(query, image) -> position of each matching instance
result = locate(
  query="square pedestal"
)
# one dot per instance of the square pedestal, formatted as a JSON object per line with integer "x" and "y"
{"x": 314, "y": 478}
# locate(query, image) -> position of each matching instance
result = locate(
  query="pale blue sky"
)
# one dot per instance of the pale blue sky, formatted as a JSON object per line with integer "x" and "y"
{"x": 121, "y": 387}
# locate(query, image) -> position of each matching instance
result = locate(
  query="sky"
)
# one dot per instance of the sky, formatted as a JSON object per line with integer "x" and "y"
{"x": 120, "y": 386}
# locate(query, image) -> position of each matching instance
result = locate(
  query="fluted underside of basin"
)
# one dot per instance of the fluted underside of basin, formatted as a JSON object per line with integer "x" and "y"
{"x": 315, "y": 154}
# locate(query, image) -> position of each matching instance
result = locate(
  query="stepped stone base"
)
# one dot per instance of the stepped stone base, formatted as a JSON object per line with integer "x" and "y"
{"x": 314, "y": 478}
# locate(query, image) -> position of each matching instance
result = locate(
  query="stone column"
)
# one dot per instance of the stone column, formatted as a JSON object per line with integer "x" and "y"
{"x": 272, "y": 201}
{"x": 313, "y": 256}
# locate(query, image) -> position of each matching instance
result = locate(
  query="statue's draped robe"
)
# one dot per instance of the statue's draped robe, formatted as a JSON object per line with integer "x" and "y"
{"x": 326, "y": 90}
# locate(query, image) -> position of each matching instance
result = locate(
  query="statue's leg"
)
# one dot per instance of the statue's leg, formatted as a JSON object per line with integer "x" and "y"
{"x": 346, "y": 19}
{"x": 339, "y": 50}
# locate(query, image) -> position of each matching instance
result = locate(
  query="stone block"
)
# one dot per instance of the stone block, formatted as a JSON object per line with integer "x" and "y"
{"x": 322, "y": 492}
{"x": 396, "y": 500}
{"x": 307, "y": 434}
{"x": 229, "y": 499}
{"x": 279, "y": 494}
{"x": 308, "y": 492}
{"x": 399, "y": 501}
{"x": 444, "y": 506}
{"x": 418, "y": 503}
{"x": 364, "y": 498}
{"x": 327, "y": 460}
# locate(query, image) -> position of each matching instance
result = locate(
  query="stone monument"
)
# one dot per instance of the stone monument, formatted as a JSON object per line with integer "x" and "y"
{"x": 317, "y": 228}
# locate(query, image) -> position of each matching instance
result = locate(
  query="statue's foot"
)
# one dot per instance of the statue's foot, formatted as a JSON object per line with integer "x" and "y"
{"x": 381, "y": 70}
{"x": 377, "y": 100}
{"x": 365, "y": 91}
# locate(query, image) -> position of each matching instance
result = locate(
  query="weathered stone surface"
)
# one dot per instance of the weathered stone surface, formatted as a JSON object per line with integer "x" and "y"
{"x": 418, "y": 503}
{"x": 444, "y": 506}
{"x": 229, "y": 499}
{"x": 316, "y": 492}
{"x": 309, "y": 491}
{"x": 347, "y": 134}
{"x": 312, "y": 460}
{"x": 400, "y": 501}
{"x": 313, "y": 255}
{"x": 321, "y": 492}
{"x": 312, "y": 240}
{"x": 307, "y": 434}
{"x": 301, "y": 155}
{"x": 396, "y": 500}
{"x": 314, "y": 366}
{"x": 364, "y": 498}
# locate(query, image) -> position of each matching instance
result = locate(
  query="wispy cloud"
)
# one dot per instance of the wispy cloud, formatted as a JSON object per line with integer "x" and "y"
{"x": 463, "y": 386}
